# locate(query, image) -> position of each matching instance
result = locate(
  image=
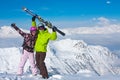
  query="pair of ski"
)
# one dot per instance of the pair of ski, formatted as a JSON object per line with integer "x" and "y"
{"x": 43, "y": 21}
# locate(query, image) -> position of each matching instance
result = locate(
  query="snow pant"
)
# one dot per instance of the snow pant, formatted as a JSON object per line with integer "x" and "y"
{"x": 40, "y": 57}
{"x": 27, "y": 55}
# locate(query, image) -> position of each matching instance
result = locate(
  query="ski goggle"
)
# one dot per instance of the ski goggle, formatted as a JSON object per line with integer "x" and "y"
{"x": 41, "y": 27}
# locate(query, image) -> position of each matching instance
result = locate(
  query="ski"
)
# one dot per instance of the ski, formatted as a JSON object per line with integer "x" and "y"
{"x": 48, "y": 24}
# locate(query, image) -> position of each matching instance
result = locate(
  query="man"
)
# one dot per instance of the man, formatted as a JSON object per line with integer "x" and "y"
{"x": 42, "y": 41}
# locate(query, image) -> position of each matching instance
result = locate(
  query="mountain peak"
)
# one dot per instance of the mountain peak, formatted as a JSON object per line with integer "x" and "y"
{"x": 79, "y": 56}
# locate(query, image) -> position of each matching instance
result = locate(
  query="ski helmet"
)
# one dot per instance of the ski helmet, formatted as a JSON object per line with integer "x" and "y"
{"x": 33, "y": 29}
{"x": 41, "y": 26}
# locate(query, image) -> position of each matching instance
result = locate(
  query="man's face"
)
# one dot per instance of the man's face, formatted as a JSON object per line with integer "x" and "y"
{"x": 41, "y": 28}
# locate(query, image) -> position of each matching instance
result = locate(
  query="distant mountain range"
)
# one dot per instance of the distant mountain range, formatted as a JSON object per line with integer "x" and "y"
{"x": 7, "y": 31}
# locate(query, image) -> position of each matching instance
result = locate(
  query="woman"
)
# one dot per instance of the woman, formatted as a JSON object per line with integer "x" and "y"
{"x": 28, "y": 48}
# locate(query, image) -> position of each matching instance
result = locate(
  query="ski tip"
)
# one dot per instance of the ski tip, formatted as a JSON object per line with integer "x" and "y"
{"x": 24, "y": 8}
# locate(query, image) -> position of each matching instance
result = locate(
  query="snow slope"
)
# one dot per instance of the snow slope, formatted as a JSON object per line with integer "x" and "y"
{"x": 65, "y": 57}
{"x": 82, "y": 56}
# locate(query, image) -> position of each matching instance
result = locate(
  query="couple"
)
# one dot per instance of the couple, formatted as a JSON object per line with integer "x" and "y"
{"x": 37, "y": 41}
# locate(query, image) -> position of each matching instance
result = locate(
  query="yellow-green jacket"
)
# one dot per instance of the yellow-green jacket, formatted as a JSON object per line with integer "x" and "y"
{"x": 43, "y": 39}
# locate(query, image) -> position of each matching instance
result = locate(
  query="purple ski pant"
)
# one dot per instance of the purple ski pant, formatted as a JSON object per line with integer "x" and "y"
{"x": 27, "y": 55}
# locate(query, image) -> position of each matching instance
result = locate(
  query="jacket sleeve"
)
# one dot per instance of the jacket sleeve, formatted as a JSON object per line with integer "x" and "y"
{"x": 33, "y": 24}
{"x": 53, "y": 36}
{"x": 19, "y": 31}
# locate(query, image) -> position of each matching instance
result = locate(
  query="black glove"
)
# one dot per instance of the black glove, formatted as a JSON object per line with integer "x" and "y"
{"x": 48, "y": 24}
{"x": 54, "y": 28}
{"x": 13, "y": 25}
{"x": 34, "y": 17}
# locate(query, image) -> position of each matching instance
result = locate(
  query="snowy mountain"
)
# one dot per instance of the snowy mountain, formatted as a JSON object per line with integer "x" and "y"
{"x": 71, "y": 57}
{"x": 76, "y": 55}
{"x": 65, "y": 58}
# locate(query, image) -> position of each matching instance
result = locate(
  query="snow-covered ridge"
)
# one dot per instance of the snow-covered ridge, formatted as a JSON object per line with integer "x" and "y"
{"x": 66, "y": 57}
{"x": 82, "y": 56}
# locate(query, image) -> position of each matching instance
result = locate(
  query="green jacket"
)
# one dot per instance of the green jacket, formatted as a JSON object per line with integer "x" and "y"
{"x": 43, "y": 39}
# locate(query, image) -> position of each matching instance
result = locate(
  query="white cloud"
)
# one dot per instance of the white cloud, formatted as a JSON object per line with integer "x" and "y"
{"x": 108, "y": 2}
{"x": 9, "y": 32}
{"x": 101, "y": 25}
{"x": 103, "y": 21}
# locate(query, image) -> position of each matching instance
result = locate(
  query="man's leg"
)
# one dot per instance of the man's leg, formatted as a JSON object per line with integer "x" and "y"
{"x": 40, "y": 57}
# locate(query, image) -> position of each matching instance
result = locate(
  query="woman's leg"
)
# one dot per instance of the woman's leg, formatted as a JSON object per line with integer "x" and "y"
{"x": 22, "y": 62}
{"x": 32, "y": 63}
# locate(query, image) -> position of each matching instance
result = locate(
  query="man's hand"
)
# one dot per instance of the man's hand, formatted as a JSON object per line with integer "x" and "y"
{"x": 34, "y": 17}
{"x": 54, "y": 28}
{"x": 48, "y": 24}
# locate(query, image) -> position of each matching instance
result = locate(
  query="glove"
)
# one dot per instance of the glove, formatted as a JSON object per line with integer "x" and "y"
{"x": 48, "y": 24}
{"x": 13, "y": 25}
{"x": 54, "y": 28}
{"x": 34, "y": 17}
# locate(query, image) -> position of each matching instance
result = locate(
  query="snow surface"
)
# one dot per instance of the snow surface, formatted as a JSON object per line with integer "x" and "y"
{"x": 67, "y": 59}
{"x": 76, "y": 59}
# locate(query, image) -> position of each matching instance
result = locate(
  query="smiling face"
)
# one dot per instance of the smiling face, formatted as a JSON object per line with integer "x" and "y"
{"x": 33, "y": 32}
{"x": 41, "y": 27}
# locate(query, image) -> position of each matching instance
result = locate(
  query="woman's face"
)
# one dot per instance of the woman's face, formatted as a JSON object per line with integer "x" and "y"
{"x": 33, "y": 32}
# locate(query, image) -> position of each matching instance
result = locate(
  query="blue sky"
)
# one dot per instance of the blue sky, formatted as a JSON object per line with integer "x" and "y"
{"x": 63, "y": 13}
